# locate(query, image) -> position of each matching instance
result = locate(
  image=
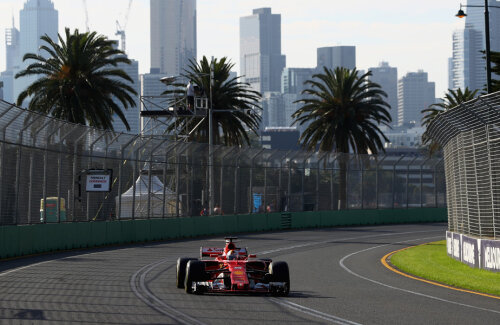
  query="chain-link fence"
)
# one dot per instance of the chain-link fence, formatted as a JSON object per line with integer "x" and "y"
{"x": 470, "y": 135}
{"x": 43, "y": 159}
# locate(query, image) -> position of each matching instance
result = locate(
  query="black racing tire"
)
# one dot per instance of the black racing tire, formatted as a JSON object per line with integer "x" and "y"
{"x": 279, "y": 273}
{"x": 181, "y": 270}
{"x": 195, "y": 271}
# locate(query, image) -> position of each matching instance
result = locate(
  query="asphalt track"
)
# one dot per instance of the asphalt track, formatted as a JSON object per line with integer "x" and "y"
{"x": 336, "y": 278}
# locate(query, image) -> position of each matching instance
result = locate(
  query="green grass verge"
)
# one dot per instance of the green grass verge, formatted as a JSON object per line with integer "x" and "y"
{"x": 431, "y": 262}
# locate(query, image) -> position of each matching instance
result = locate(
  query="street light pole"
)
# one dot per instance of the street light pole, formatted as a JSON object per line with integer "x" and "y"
{"x": 487, "y": 36}
{"x": 210, "y": 145}
{"x": 461, "y": 14}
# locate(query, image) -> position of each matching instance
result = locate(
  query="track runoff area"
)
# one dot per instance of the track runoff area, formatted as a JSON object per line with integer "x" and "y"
{"x": 336, "y": 277}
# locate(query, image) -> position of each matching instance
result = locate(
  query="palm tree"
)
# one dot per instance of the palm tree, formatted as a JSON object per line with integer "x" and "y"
{"x": 79, "y": 80}
{"x": 451, "y": 99}
{"x": 235, "y": 105}
{"x": 344, "y": 111}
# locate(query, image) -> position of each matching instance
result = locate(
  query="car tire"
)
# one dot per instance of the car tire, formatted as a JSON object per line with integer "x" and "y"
{"x": 279, "y": 273}
{"x": 195, "y": 271}
{"x": 181, "y": 270}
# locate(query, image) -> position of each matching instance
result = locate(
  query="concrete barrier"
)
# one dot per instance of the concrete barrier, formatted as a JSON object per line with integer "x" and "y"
{"x": 40, "y": 238}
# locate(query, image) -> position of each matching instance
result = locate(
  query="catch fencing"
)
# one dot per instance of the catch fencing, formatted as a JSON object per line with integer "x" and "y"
{"x": 470, "y": 135}
{"x": 46, "y": 165}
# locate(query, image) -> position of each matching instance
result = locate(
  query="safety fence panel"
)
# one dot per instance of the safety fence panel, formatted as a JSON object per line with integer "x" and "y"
{"x": 53, "y": 171}
{"x": 470, "y": 136}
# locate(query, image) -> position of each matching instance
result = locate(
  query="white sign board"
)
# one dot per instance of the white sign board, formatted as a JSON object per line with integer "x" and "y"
{"x": 98, "y": 182}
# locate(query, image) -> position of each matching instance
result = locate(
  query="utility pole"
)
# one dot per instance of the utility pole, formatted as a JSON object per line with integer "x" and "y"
{"x": 210, "y": 145}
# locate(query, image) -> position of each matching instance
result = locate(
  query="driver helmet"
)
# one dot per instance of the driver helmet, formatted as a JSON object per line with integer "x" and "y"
{"x": 232, "y": 255}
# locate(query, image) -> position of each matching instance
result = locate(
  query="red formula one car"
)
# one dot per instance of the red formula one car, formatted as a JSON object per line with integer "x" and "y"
{"x": 232, "y": 270}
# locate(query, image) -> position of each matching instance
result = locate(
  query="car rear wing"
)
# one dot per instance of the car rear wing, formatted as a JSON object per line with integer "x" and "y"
{"x": 218, "y": 251}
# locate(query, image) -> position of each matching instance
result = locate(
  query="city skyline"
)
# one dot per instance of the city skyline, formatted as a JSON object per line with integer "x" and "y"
{"x": 408, "y": 37}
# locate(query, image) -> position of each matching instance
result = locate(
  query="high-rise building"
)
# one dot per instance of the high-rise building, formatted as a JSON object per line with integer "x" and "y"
{"x": 468, "y": 65}
{"x": 173, "y": 35}
{"x": 475, "y": 19}
{"x": 292, "y": 84}
{"x": 293, "y": 79}
{"x": 332, "y": 57}
{"x": 12, "y": 60}
{"x": 261, "y": 61}
{"x": 273, "y": 109}
{"x": 387, "y": 77}
{"x": 450, "y": 73}
{"x": 11, "y": 46}
{"x": 132, "y": 114}
{"x": 37, "y": 18}
{"x": 415, "y": 93}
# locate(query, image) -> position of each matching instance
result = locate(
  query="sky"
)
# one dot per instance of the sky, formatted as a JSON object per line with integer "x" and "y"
{"x": 410, "y": 35}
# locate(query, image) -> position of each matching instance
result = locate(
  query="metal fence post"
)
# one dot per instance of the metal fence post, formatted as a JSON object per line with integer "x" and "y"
{"x": 134, "y": 174}
{"x": 251, "y": 180}
{"x": 236, "y": 174}
{"x": 221, "y": 192}
{"x": 30, "y": 186}
{"x": 421, "y": 183}
{"x": 2, "y": 152}
{"x": 376, "y": 180}
{"x": 120, "y": 172}
{"x": 394, "y": 177}
{"x": 89, "y": 166}
{"x": 332, "y": 201}
{"x": 174, "y": 146}
{"x": 18, "y": 169}
{"x": 84, "y": 134}
{"x": 45, "y": 158}
{"x": 177, "y": 180}
{"x": 59, "y": 174}
{"x": 150, "y": 177}
{"x": 408, "y": 180}
{"x": 318, "y": 179}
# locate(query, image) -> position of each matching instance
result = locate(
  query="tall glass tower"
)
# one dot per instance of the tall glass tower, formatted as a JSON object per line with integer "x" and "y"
{"x": 173, "y": 35}
{"x": 475, "y": 20}
{"x": 12, "y": 58}
{"x": 387, "y": 77}
{"x": 261, "y": 61}
{"x": 37, "y": 18}
{"x": 468, "y": 65}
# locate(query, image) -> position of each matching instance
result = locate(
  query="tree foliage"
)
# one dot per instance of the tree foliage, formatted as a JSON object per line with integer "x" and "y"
{"x": 236, "y": 106}
{"x": 451, "y": 99}
{"x": 343, "y": 111}
{"x": 79, "y": 80}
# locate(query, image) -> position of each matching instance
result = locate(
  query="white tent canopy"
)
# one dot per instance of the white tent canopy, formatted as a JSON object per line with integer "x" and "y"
{"x": 141, "y": 199}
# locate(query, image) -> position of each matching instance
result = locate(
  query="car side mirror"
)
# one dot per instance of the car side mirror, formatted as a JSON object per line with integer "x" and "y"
{"x": 252, "y": 256}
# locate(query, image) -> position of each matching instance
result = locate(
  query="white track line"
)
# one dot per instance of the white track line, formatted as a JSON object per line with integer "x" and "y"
{"x": 341, "y": 262}
{"x": 153, "y": 301}
{"x": 313, "y": 312}
{"x": 317, "y": 313}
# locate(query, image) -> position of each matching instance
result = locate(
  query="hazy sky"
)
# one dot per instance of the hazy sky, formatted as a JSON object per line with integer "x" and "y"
{"x": 410, "y": 35}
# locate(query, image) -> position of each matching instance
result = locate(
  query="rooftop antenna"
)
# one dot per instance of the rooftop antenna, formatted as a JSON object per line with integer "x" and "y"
{"x": 120, "y": 30}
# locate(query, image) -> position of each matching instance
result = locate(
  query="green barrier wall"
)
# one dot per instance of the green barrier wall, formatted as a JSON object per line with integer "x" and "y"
{"x": 33, "y": 239}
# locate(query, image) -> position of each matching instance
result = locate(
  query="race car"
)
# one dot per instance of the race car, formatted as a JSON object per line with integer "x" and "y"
{"x": 231, "y": 269}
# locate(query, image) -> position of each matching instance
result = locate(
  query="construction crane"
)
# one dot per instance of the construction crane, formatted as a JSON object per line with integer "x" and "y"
{"x": 86, "y": 15}
{"x": 120, "y": 30}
